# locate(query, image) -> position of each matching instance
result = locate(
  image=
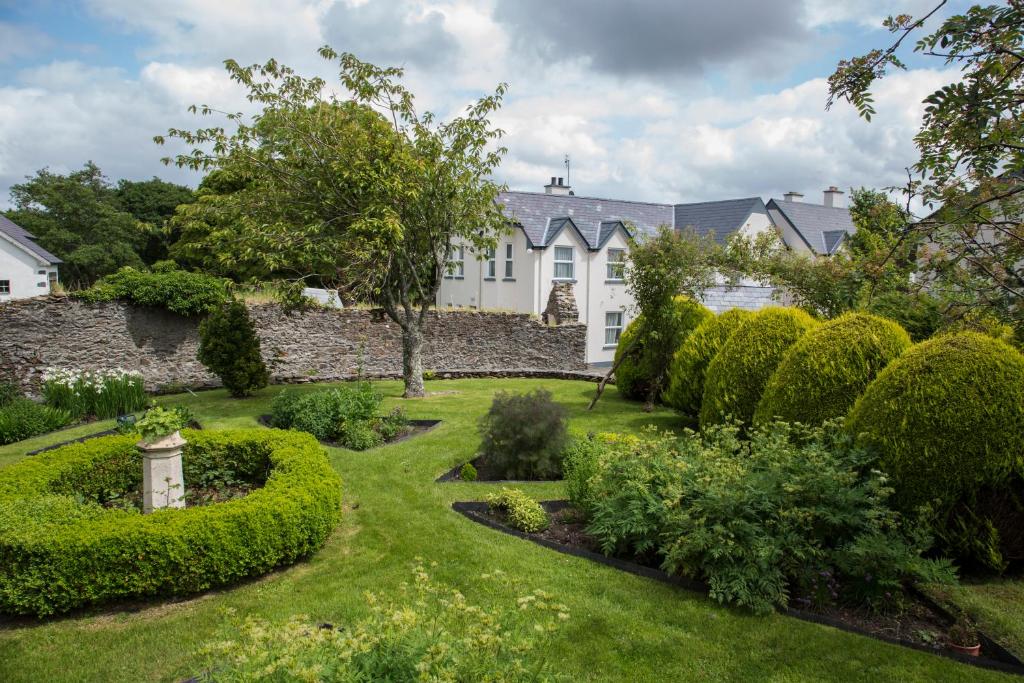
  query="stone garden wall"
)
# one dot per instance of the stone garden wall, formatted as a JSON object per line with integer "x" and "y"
{"x": 316, "y": 345}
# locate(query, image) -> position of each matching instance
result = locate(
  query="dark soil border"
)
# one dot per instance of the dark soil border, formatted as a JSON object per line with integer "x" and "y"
{"x": 419, "y": 427}
{"x": 453, "y": 475}
{"x": 998, "y": 659}
{"x": 87, "y": 437}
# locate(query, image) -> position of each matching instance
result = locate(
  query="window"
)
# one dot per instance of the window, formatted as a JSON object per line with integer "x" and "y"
{"x": 457, "y": 262}
{"x": 491, "y": 262}
{"x": 616, "y": 264}
{"x": 51, "y": 277}
{"x": 612, "y": 328}
{"x": 508, "y": 261}
{"x": 564, "y": 267}
{"x": 5, "y": 286}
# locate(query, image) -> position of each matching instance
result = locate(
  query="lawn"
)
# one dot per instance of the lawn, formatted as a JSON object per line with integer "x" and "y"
{"x": 622, "y": 627}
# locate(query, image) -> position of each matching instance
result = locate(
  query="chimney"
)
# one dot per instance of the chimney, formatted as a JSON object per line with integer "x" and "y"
{"x": 834, "y": 198}
{"x": 792, "y": 196}
{"x": 557, "y": 186}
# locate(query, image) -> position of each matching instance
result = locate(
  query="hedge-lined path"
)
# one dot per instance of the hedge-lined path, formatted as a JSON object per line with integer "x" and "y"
{"x": 623, "y": 628}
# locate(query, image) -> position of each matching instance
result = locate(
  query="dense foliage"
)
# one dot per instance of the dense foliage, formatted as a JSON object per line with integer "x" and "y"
{"x": 346, "y": 415}
{"x": 737, "y": 375}
{"x": 166, "y": 286}
{"x": 822, "y": 375}
{"x": 430, "y": 632}
{"x": 947, "y": 419}
{"x": 230, "y": 348}
{"x": 691, "y": 360}
{"x": 22, "y": 418}
{"x": 794, "y": 514}
{"x": 523, "y": 436}
{"x": 63, "y": 550}
{"x": 102, "y": 394}
{"x": 521, "y": 511}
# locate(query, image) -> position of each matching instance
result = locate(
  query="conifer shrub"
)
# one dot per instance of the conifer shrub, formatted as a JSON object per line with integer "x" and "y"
{"x": 737, "y": 375}
{"x": 947, "y": 420}
{"x": 640, "y": 366}
{"x": 822, "y": 375}
{"x": 230, "y": 349}
{"x": 691, "y": 360}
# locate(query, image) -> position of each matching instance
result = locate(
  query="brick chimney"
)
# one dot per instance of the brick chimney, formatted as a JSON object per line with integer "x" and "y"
{"x": 557, "y": 186}
{"x": 834, "y": 198}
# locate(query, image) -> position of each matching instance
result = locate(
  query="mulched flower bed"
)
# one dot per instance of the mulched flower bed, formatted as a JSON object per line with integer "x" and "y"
{"x": 920, "y": 626}
{"x": 485, "y": 474}
{"x": 415, "y": 428}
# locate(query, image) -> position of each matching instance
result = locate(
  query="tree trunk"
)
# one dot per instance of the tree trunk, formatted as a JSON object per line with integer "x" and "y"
{"x": 412, "y": 360}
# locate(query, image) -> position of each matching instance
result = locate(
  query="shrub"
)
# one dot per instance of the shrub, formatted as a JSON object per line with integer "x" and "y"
{"x": 22, "y": 418}
{"x": 345, "y": 415}
{"x": 230, "y": 349}
{"x": 947, "y": 419}
{"x": 392, "y": 425}
{"x": 919, "y": 314}
{"x": 636, "y": 372}
{"x": 360, "y": 436}
{"x": 822, "y": 375}
{"x": 177, "y": 291}
{"x": 62, "y": 551}
{"x": 467, "y": 472}
{"x": 524, "y": 435}
{"x": 585, "y": 458}
{"x": 98, "y": 393}
{"x": 441, "y": 636}
{"x": 523, "y": 512}
{"x": 8, "y": 393}
{"x": 739, "y": 372}
{"x": 691, "y": 360}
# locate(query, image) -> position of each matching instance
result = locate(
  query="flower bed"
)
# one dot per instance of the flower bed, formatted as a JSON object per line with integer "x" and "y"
{"x": 61, "y": 549}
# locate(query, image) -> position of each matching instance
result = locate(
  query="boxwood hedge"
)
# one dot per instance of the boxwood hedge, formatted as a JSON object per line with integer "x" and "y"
{"x": 822, "y": 375}
{"x": 60, "y": 549}
{"x": 947, "y": 420}
{"x": 737, "y": 376}
{"x": 691, "y": 360}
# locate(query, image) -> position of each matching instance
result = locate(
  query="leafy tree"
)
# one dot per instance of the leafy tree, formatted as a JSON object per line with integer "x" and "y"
{"x": 78, "y": 217}
{"x": 363, "y": 193}
{"x": 230, "y": 349}
{"x": 971, "y": 145}
{"x": 152, "y": 203}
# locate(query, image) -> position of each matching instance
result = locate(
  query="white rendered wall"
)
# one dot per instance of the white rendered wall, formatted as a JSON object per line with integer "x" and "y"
{"x": 22, "y": 269}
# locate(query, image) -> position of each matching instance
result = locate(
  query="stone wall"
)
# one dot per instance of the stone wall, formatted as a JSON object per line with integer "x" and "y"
{"x": 316, "y": 345}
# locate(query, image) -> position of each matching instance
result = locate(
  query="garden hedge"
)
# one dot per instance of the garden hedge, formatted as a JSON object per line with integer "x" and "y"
{"x": 947, "y": 419}
{"x": 691, "y": 360}
{"x": 634, "y": 374}
{"x": 60, "y": 549}
{"x": 822, "y": 375}
{"x": 737, "y": 376}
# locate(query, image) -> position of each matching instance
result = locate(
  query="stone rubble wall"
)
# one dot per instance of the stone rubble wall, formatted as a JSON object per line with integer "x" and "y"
{"x": 311, "y": 346}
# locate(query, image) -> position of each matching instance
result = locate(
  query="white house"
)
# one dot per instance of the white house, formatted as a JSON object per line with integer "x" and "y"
{"x": 26, "y": 269}
{"x": 559, "y": 237}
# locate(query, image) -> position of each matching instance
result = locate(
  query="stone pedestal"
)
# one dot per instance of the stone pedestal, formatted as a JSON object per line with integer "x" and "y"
{"x": 163, "y": 485}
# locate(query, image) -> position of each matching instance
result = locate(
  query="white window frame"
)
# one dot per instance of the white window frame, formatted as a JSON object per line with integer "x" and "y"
{"x": 457, "y": 262}
{"x": 508, "y": 262}
{"x": 6, "y": 284}
{"x": 616, "y": 269}
{"x": 615, "y": 330}
{"x": 492, "y": 263}
{"x": 571, "y": 262}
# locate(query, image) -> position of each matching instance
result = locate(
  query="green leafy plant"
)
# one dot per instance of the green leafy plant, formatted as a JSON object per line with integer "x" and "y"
{"x": 346, "y": 415}
{"x": 467, "y": 472}
{"x": 230, "y": 348}
{"x": 22, "y": 418}
{"x": 178, "y": 291}
{"x": 963, "y": 633}
{"x": 94, "y": 393}
{"x": 523, "y": 512}
{"x": 523, "y": 435}
{"x": 9, "y": 391}
{"x": 158, "y": 423}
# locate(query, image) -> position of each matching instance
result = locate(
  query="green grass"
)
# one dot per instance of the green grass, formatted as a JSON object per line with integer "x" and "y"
{"x": 995, "y": 604}
{"x": 622, "y": 628}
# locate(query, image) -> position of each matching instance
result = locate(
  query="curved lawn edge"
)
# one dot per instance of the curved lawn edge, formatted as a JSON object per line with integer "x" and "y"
{"x": 1005, "y": 661}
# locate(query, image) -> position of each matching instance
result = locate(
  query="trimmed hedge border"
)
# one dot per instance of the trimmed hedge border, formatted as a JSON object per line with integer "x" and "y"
{"x": 58, "y": 554}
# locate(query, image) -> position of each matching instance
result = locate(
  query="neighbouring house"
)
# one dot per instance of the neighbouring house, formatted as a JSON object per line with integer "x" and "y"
{"x": 26, "y": 269}
{"x": 563, "y": 243}
{"x": 818, "y": 229}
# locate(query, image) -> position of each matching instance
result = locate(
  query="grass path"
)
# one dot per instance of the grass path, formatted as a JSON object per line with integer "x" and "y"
{"x": 623, "y": 627}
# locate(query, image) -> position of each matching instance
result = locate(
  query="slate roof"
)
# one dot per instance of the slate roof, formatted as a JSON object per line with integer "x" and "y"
{"x": 25, "y": 239}
{"x": 822, "y": 227}
{"x": 721, "y": 218}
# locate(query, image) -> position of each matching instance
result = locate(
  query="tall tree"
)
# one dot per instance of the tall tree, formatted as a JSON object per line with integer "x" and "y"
{"x": 78, "y": 217}
{"x": 361, "y": 191}
{"x": 153, "y": 202}
{"x": 971, "y": 145}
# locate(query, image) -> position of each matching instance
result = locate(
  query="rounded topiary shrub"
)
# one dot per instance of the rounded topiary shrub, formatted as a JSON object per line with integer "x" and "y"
{"x": 739, "y": 372}
{"x": 947, "y": 420}
{"x": 635, "y": 372}
{"x": 61, "y": 549}
{"x": 822, "y": 375}
{"x": 691, "y": 360}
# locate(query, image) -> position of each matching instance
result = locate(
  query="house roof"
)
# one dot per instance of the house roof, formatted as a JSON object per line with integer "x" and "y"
{"x": 823, "y": 228}
{"x": 722, "y": 218}
{"x": 24, "y": 239}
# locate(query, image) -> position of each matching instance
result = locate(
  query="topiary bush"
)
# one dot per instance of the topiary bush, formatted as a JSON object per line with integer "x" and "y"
{"x": 737, "y": 375}
{"x": 947, "y": 419}
{"x": 822, "y": 375}
{"x": 639, "y": 368}
{"x": 691, "y": 360}
{"x": 62, "y": 550}
{"x": 230, "y": 349}
{"x": 523, "y": 436}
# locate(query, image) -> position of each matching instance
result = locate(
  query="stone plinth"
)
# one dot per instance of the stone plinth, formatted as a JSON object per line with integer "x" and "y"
{"x": 163, "y": 484}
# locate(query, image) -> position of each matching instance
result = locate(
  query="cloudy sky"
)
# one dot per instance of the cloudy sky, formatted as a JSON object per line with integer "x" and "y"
{"x": 672, "y": 100}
